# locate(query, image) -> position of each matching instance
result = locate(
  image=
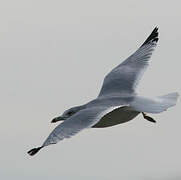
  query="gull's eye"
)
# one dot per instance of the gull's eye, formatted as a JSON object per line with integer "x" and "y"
{"x": 70, "y": 113}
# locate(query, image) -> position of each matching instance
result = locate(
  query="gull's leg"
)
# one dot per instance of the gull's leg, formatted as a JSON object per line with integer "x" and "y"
{"x": 148, "y": 118}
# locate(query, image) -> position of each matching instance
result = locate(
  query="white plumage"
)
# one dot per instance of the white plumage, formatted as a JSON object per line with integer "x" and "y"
{"x": 117, "y": 101}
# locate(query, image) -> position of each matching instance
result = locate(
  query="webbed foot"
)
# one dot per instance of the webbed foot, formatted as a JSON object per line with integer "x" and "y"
{"x": 148, "y": 118}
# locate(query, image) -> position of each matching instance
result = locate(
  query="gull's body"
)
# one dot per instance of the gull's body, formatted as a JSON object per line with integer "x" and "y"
{"x": 117, "y": 101}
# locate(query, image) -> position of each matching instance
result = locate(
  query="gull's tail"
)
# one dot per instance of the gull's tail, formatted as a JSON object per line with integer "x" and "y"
{"x": 154, "y": 105}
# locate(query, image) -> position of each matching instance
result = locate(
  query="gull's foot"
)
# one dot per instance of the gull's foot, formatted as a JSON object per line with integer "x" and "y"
{"x": 148, "y": 118}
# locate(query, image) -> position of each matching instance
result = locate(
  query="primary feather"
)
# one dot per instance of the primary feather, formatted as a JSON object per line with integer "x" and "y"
{"x": 124, "y": 78}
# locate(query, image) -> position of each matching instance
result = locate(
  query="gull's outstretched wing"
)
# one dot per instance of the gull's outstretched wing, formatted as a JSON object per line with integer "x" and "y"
{"x": 125, "y": 77}
{"x": 83, "y": 119}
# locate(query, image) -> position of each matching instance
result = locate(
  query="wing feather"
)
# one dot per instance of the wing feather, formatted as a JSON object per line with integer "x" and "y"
{"x": 83, "y": 119}
{"x": 124, "y": 78}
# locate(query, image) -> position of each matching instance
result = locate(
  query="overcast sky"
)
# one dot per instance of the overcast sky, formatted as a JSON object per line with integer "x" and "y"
{"x": 54, "y": 55}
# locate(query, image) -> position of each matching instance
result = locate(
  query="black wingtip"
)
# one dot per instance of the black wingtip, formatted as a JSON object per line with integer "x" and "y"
{"x": 153, "y": 37}
{"x": 34, "y": 151}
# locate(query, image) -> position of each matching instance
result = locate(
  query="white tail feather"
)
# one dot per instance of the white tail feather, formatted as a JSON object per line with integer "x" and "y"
{"x": 154, "y": 105}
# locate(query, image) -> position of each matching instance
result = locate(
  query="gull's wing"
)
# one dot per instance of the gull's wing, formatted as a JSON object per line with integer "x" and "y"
{"x": 125, "y": 77}
{"x": 81, "y": 120}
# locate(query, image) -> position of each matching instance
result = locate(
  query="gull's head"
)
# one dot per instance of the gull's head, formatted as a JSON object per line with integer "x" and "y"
{"x": 68, "y": 113}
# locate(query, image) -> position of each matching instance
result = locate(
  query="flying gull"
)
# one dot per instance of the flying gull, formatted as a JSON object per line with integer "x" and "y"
{"x": 117, "y": 101}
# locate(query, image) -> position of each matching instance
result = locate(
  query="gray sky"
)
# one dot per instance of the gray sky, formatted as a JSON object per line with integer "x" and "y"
{"x": 54, "y": 55}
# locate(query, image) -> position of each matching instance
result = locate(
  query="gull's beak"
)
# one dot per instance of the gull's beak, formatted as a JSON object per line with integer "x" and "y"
{"x": 60, "y": 118}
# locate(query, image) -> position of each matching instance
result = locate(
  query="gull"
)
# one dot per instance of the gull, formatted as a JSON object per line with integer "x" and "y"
{"x": 117, "y": 102}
